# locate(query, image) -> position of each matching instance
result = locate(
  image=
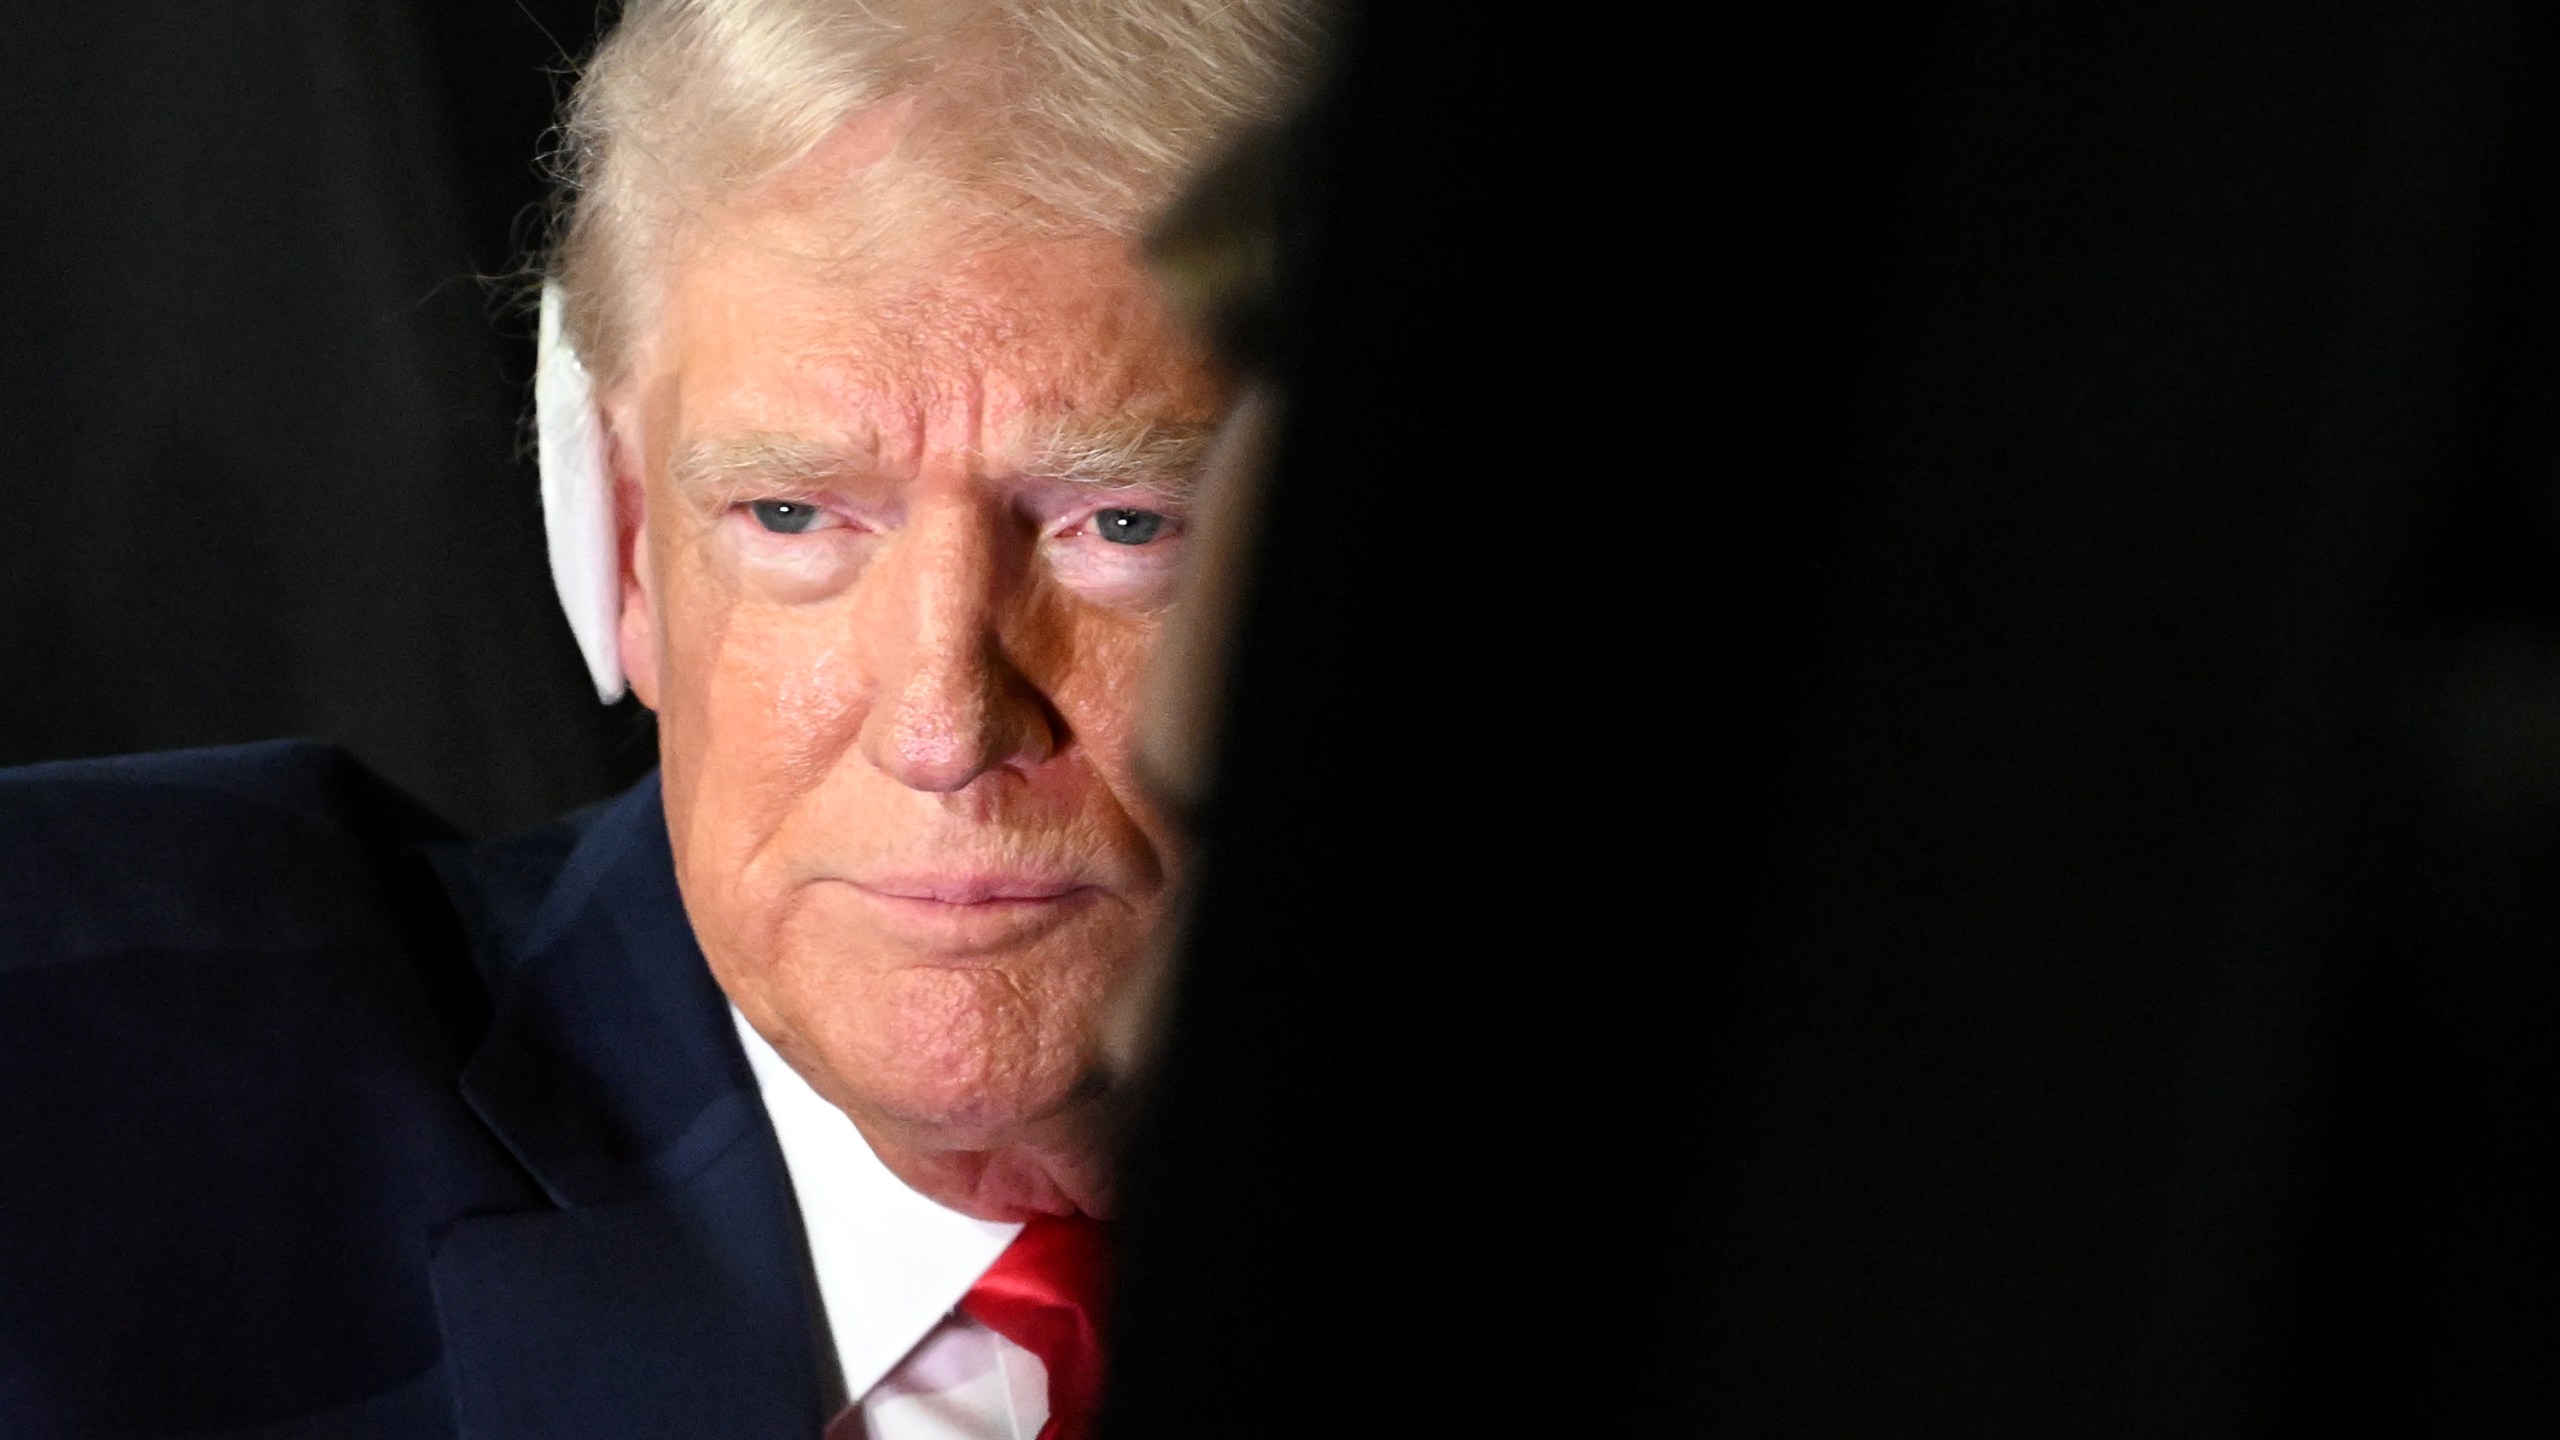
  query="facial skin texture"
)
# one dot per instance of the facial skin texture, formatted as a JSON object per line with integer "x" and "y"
{"x": 897, "y": 744}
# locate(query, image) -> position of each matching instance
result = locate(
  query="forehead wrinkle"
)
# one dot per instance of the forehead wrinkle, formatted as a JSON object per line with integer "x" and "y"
{"x": 1085, "y": 402}
{"x": 979, "y": 362}
{"x": 1045, "y": 410}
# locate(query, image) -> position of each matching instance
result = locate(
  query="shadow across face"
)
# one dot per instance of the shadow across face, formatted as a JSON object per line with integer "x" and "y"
{"x": 909, "y": 538}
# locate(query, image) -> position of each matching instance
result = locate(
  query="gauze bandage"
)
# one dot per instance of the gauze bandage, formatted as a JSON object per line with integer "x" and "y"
{"x": 577, "y": 500}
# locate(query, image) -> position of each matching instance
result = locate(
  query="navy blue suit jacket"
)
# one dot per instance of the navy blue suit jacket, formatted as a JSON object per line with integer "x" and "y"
{"x": 315, "y": 1121}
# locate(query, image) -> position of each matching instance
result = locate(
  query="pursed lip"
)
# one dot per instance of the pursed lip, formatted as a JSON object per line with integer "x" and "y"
{"x": 966, "y": 911}
{"x": 969, "y": 887}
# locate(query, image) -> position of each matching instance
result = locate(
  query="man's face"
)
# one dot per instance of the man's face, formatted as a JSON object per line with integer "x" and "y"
{"x": 903, "y": 536}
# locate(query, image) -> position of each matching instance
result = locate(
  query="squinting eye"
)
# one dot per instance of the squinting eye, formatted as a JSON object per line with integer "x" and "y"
{"x": 784, "y": 517}
{"x": 1127, "y": 527}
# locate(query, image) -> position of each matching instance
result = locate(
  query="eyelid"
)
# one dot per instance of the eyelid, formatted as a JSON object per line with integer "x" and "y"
{"x": 827, "y": 517}
{"x": 763, "y": 495}
{"x": 1082, "y": 523}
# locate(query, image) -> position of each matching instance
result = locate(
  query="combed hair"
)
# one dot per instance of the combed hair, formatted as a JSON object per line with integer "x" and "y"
{"x": 1041, "y": 115}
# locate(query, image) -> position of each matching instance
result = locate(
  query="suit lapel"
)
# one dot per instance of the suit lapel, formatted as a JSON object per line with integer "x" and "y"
{"x": 664, "y": 1295}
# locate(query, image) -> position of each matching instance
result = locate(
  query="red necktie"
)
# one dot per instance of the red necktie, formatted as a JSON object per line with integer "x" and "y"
{"x": 1045, "y": 1293}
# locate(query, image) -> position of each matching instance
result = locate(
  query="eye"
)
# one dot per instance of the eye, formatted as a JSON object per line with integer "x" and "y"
{"x": 784, "y": 517}
{"x": 1127, "y": 527}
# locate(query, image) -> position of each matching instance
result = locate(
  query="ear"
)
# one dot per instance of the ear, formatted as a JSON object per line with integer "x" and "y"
{"x": 637, "y": 625}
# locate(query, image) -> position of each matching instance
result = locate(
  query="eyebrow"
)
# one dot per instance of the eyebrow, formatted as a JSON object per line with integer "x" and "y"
{"x": 1161, "y": 458}
{"x": 724, "y": 469}
{"x": 1158, "y": 456}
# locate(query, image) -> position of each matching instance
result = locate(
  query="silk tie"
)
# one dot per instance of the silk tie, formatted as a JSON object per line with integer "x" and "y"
{"x": 1046, "y": 1293}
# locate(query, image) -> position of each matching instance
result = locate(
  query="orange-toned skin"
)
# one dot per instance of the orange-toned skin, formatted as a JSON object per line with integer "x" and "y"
{"x": 897, "y": 746}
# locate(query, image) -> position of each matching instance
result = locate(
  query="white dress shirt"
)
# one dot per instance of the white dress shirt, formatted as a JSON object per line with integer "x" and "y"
{"x": 891, "y": 1266}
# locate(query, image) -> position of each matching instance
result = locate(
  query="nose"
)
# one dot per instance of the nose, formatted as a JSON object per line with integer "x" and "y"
{"x": 952, "y": 705}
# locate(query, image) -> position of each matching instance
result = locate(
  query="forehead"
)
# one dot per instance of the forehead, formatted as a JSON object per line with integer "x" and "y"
{"x": 905, "y": 343}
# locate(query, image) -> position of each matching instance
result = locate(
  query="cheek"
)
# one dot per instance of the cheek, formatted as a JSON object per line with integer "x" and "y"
{"x": 796, "y": 693}
{"x": 761, "y": 681}
{"x": 762, "y": 701}
{"x": 1094, "y": 675}
{"x": 772, "y": 709}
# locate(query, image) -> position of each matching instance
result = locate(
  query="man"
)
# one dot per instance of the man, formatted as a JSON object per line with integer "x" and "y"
{"x": 768, "y": 1099}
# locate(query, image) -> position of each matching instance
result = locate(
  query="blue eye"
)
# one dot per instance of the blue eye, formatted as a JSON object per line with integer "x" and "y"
{"x": 784, "y": 517}
{"x": 1127, "y": 527}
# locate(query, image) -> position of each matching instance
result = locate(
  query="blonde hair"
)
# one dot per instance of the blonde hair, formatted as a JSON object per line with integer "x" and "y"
{"x": 1040, "y": 115}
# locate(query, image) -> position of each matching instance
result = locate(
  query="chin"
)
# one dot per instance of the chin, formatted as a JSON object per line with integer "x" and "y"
{"x": 1011, "y": 1183}
{"x": 973, "y": 1051}
{"x": 963, "y": 1117}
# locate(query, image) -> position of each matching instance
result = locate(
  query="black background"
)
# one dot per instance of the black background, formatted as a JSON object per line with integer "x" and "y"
{"x": 1896, "y": 774}
{"x": 263, "y": 362}
{"x": 1897, "y": 769}
{"x": 2145, "y": 1024}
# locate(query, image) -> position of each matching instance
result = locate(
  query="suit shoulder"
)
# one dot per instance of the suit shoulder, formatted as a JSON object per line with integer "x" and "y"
{"x": 282, "y": 845}
{"x": 234, "y": 1009}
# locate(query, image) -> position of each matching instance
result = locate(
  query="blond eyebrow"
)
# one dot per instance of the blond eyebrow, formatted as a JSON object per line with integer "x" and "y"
{"x": 722, "y": 470}
{"x": 1161, "y": 457}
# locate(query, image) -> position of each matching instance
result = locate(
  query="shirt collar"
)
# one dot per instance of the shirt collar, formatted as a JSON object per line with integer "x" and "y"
{"x": 890, "y": 1263}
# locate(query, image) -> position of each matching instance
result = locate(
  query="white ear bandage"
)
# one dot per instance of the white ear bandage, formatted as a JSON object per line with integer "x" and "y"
{"x": 577, "y": 500}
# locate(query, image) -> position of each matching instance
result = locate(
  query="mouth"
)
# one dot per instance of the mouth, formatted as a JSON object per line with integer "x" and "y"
{"x": 973, "y": 888}
{"x": 961, "y": 912}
